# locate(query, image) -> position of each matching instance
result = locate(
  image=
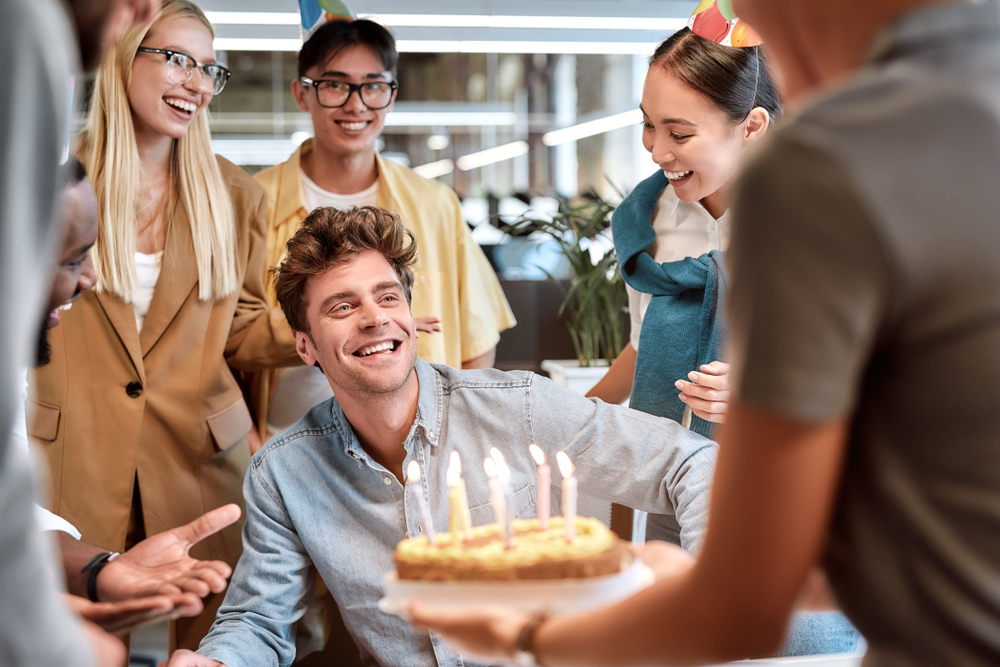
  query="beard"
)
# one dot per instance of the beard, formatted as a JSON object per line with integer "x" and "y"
{"x": 43, "y": 349}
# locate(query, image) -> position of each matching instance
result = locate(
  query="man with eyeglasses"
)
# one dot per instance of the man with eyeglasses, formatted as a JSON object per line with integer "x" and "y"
{"x": 347, "y": 84}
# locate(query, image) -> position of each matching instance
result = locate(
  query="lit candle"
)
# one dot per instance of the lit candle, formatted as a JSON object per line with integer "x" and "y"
{"x": 544, "y": 485}
{"x": 459, "y": 520}
{"x": 497, "y": 497}
{"x": 413, "y": 477}
{"x": 568, "y": 495}
{"x": 503, "y": 474}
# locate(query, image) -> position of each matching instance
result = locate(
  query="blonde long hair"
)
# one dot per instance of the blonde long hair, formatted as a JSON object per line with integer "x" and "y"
{"x": 107, "y": 147}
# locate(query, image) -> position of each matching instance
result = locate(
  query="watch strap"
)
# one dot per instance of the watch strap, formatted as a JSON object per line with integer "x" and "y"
{"x": 524, "y": 646}
{"x": 94, "y": 566}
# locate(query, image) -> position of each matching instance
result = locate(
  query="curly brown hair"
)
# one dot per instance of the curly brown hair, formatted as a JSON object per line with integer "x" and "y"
{"x": 329, "y": 237}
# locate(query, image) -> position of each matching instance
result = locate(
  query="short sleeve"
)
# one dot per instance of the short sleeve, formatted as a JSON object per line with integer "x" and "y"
{"x": 809, "y": 284}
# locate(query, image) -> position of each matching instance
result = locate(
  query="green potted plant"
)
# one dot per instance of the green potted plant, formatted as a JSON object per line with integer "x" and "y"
{"x": 594, "y": 300}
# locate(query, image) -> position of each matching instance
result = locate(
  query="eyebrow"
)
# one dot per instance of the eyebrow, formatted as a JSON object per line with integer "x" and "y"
{"x": 372, "y": 75}
{"x": 213, "y": 61}
{"x": 383, "y": 286}
{"x": 670, "y": 121}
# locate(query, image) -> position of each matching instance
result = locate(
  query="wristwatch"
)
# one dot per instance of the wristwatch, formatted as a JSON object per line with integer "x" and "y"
{"x": 524, "y": 647}
{"x": 94, "y": 566}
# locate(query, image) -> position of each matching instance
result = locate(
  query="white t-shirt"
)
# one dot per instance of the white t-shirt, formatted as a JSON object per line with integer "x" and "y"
{"x": 148, "y": 268}
{"x": 19, "y": 438}
{"x": 298, "y": 389}
{"x": 682, "y": 230}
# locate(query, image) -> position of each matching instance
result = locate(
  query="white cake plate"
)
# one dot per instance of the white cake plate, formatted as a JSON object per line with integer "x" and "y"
{"x": 528, "y": 595}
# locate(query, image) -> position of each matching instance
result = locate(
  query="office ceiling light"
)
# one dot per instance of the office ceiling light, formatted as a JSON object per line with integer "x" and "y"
{"x": 454, "y": 46}
{"x": 545, "y": 22}
{"x": 253, "y": 18}
{"x": 465, "y": 21}
{"x": 435, "y": 169}
{"x": 590, "y": 128}
{"x": 492, "y": 155}
{"x": 451, "y": 118}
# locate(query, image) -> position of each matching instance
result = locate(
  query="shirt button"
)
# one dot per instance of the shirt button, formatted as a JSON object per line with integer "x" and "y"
{"x": 133, "y": 389}
{"x": 387, "y": 480}
{"x": 430, "y": 434}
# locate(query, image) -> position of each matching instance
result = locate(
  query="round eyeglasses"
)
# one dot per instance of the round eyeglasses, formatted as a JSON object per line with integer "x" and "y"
{"x": 180, "y": 67}
{"x": 333, "y": 93}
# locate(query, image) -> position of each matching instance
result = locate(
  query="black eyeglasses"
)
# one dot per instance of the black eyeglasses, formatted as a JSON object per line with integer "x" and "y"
{"x": 180, "y": 67}
{"x": 333, "y": 93}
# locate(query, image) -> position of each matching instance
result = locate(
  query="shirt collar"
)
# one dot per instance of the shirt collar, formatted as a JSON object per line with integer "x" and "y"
{"x": 430, "y": 398}
{"x": 956, "y": 23}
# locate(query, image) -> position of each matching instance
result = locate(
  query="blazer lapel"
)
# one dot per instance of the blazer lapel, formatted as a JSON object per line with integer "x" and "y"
{"x": 178, "y": 276}
{"x": 122, "y": 318}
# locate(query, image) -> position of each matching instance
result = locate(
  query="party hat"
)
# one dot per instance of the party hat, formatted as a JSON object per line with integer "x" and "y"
{"x": 715, "y": 20}
{"x": 317, "y": 12}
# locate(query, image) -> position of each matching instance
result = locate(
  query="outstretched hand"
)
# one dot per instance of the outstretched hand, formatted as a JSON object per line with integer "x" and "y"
{"x": 483, "y": 634}
{"x": 123, "y": 617}
{"x": 707, "y": 392}
{"x": 160, "y": 565}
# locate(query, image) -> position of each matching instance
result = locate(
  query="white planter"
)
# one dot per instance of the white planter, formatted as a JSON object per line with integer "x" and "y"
{"x": 569, "y": 373}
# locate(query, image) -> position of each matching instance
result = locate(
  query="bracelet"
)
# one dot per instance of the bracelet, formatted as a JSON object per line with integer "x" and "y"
{"x": 94, "y": 566}
{"x": 524, "y": 647}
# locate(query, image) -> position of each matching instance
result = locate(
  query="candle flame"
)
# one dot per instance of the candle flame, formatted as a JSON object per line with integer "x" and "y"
{"x": 491, "y": 468}
{"x": 497, "y": 456}
{"x": 565, "y": 465}
{"x": 537, "y": 454}
{"x": 503, "y": 472}
{"x": 454, "y": 469}
{"x": 413, "y": 471}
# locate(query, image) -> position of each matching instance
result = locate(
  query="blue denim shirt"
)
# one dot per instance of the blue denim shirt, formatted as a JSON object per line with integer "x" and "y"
{"x": 314, "y": 497}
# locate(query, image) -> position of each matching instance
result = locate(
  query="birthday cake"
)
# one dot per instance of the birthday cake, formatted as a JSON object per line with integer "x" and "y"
{"x": 536, "y": 553}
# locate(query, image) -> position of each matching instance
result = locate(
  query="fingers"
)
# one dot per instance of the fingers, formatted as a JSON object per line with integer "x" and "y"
{"x": 427, "y": 324}
{"x": 206, "y": 577}
{"x": 208, "y": 524}
{"x": 713, "y": 411}
{"x": 715, "y": 368}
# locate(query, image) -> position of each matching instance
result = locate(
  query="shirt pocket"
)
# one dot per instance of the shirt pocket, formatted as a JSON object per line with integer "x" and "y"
{"x": 43, "y": 420}
{"x": 522, "y": 501}
{"x": 228, "y": 426}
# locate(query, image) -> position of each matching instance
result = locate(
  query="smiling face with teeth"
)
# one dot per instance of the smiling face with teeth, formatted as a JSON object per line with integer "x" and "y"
{"x": 360, "y": 329}
{"x": 693, "y": 141}
{"x": 160, "y": 107}
{"x": 349, "y": 131}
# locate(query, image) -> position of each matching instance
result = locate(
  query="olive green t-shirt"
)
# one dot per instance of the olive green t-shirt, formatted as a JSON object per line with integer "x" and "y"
{"x": 865, "y": 266}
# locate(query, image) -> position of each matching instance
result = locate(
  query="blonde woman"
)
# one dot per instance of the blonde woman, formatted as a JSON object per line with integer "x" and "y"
{"x": 144, "y": 426}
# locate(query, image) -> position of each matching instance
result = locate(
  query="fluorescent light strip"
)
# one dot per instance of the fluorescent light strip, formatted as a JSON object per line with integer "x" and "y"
{"x": 455, "y": 46}
{"x": 451, "y": 118}
{"x": 545, "y": 22}
{"x": 492, "y": 155}
{"x": 253, "y": 18}
{"x": 466, "y": 21}
{"x": 435, "y": 169}
{"x": 510, "y": 46}
{"x": 590, "y": 128}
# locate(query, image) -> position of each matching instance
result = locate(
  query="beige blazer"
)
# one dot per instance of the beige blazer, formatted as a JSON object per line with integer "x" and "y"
{"x": 161, "y": 406}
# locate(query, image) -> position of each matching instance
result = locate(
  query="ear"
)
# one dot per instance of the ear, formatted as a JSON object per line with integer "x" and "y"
{"x": 304, "y": 346}
{"x": 756, "y": 124}
{"x": 299, "y": 92}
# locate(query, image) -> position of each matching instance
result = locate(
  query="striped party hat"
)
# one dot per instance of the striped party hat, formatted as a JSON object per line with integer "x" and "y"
{"x": 315, "y": 13}
{"x": 715, "y": 20}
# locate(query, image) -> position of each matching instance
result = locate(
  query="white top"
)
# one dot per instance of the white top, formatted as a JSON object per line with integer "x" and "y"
{"x": 19, "y": 438}
{"x": 148, "y": 268}
{"x": 298, "y": 389}
{"x": 682, "y": 230}
{"x": 314, "y": 196}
